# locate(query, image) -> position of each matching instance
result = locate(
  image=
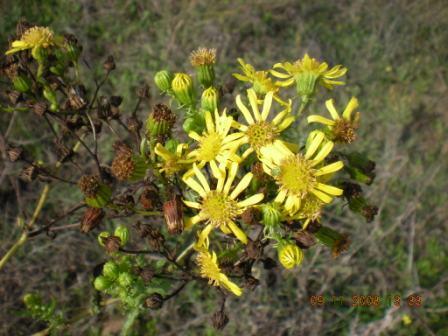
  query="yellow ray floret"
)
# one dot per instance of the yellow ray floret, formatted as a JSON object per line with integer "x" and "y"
{"x": 299, "y": 175}
{"x": 209, "y": 269}
{"x": 215, "y": 144}
{"x": 219, "y": 208}
{"x": 343, "y": 128}
{"x": 307, "y": 65}
{"x": 172, "y": 162}
{"x": 33, "y": 38}
{"x": 260, "y": 130}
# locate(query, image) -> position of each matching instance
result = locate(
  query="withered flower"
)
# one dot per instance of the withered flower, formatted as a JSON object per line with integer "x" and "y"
{"x": 172, "y": 211}
{"x": 91, "y": 219}
{"x": 219, "y": 320}
{"x": 154, "y": 301}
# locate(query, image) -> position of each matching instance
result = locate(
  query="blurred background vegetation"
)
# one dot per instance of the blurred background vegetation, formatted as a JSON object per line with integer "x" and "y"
{"x": 397, "y": 55}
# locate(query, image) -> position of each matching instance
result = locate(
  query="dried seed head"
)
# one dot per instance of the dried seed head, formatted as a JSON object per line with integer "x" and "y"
{"x": 14, "y": 97}
{"x": 112, "y": 244}
{"x": 109, "y": 64}
{"x": 40, "y": 108}
{"x": 250, "y": 282}
{"x": 251, "y": 216}
{"x": 341, "y": 245}
{"x": 351, "y": 190}
{"x": 344, "y": 131}
{"x": 133, "y": 124}
{"x": 219, "y": 320}
{"x": 89, "y": 185}
{"x": 254, "y": 249}
{"x": 15, "y": 153}
{"x": 149, "y": 199}
{"x": 63, "y": 152}
{"x": 304, "y": 239}
{"x": 154, "y": 301}
{"x": 76, "y": 97}
{"x": 146, "y": 274}
{"x": 144, "y": 91}
{"x": 29, "y": 173}
{"x": 172, "y": 211}
{"x": 11, "y": 70}
{"x": 313, "y": 226}
{"x": 369, "y": 212}
{"x": 91, "y": 219}
{"x": 122, "y": 166}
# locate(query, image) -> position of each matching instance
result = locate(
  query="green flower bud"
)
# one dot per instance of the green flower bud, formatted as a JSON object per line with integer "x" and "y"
{"x": 31, "y": 300}
{"x": 163, "y": 80}
{"x": 111, "y": 270}
{"x": 306, "y": 85}
{"x": 102, "y": 235}
{"x": 210, "y": 99}
{"x": 102, "y": 283}
{"x": 21, "y": 83}
{"x": 171, "y": 145}
{"x": 182, "y": 86}
{"x": 271, "y": 215}
{"x": 122, "y": 232}
{"x": 125, "y": 279}
{"x": 195, "y": 122}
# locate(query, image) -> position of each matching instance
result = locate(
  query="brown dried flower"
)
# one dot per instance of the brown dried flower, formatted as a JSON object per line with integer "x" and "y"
{"x": 91, "y": 219}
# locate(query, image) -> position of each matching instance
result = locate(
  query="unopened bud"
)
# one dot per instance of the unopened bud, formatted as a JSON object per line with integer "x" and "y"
{"x": 290, "y": 255}
{"x": 271, "y": 215}
{"x": 21, "y": 83}
{"x": 210, "y": 99}
{"x": 163, "y": 80}
{"x": 125, "y": 279}
{"x": 122, "y": 232}
{"x": 102, "y": 283}
{"x": 111, "y": 270}
{"x": 182, "y": 86}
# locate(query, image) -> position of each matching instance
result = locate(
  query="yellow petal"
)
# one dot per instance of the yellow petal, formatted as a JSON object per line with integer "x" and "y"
{"x": 351, "y": 106}
{"x": 190, "y": 221}
{"x": 319, "y": 119}
{"x": 315, "y": 143}
{"x": 331, "y": 168}
{"x": 242, "y": 185}
{"x": 201, "y": 178}
{"x": 325, "y": 150}
{"x": 253, "y": 103}
{"x": 280, "y": 196}
{"x": 244, "y": 110}
{"x": 237, "y": 232}
{"x": 329, "y": 189}
{"x": 194, "y": 136}
{"x": 254, "y": 199}
{"x": 194, "y": 205}
{"x": 267, "y": 103}
{"x": 322, "y": 196}
{"x": 330, "y": 107}
{"x": 231, "y": 176}
{"x": 193, "y": 184}
{"x": 229, "y": 285}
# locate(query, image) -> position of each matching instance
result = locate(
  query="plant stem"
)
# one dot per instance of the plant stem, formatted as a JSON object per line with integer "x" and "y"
{"x": 24, "y": 236}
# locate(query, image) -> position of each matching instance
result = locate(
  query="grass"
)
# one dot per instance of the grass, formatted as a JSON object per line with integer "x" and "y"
{"x": 396, "y": 55}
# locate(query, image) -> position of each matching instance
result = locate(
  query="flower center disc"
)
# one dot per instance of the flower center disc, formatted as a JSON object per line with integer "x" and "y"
{"x": 296, "y": 175}
{"x": 210, "y": 146}
{"x": 219, "y": 208}
{"x": 260, "y": 134}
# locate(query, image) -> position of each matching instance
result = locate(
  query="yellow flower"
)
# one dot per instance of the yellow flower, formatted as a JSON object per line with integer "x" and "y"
{"x": 260, "y": 80}
{"x": 33, "y": 38}
{"x": 310, "y": 210}
{"x": 260, "y": 131}
{"x": 203, "y": 56}
{"x": 209, "y": 269}
{"x": 290, "y": 255}
{"x": 173, "y": 162}
{"x": 300, "y": 175}
{"x": 215, "y": 143}
{"x": 306, "y": 73}
{"x": 343, "y": 129}
{"x": 219, "y": 207}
